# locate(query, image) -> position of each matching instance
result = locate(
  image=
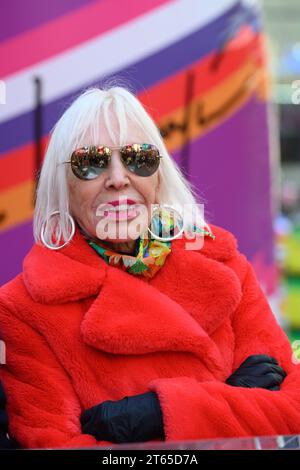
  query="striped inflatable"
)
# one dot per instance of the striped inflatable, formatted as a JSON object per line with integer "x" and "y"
{"x": 199, "y": 68}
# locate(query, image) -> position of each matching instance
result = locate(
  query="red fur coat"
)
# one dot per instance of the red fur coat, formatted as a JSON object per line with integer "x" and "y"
{"x": 79, "y": 332}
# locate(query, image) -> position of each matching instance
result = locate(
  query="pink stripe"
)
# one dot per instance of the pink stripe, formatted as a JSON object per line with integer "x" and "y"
{"x": 20, "y": 16}
{"x": 68, "y": 31}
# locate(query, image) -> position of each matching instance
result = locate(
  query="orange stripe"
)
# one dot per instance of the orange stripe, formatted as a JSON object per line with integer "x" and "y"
{"x": 16, "y": 205}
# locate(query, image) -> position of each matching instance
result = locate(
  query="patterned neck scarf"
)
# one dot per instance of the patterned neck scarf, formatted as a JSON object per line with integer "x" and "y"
{"x": 149, "y": 254}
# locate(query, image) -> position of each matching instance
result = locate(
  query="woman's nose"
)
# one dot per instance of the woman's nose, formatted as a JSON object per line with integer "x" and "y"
{"x": 117, "y": 174}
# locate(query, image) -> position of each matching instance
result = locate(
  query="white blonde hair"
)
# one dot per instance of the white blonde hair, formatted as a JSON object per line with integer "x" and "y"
{"x": 79, "y": 126}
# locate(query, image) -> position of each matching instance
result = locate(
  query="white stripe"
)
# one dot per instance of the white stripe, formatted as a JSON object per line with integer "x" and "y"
{"x": 108, "y": 53}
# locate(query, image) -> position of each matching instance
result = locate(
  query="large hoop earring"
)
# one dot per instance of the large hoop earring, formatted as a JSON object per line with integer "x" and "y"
{"x": 166, "y": 239}
{"x": 51, "y": 247}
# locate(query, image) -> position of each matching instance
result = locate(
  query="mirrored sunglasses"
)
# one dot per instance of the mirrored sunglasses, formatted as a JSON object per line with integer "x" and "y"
{"x": 89, "y": 162}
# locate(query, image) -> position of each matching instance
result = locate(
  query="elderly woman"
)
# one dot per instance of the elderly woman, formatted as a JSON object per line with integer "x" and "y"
{"x": 130, "y": 324}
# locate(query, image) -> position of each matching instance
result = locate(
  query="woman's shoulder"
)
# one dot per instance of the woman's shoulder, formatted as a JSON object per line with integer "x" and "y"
{"x": 11, "y": 291}
{"x": 223, "y": 246}
{"x": 217, "y": 243}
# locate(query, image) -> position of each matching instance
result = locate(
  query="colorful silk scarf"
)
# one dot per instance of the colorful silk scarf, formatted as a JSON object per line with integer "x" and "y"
{"x": 150, "y": 254}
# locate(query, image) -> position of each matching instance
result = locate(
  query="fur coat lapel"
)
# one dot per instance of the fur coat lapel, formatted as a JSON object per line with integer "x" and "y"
{"x": 177, "y": 310}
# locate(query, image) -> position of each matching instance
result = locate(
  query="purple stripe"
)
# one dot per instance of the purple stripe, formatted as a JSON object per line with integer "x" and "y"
{"x": 14, "y": 245}
{"x": 143, "y": 74}
{"x": 18, "y": 16}
{"x": 230, "y": 168}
